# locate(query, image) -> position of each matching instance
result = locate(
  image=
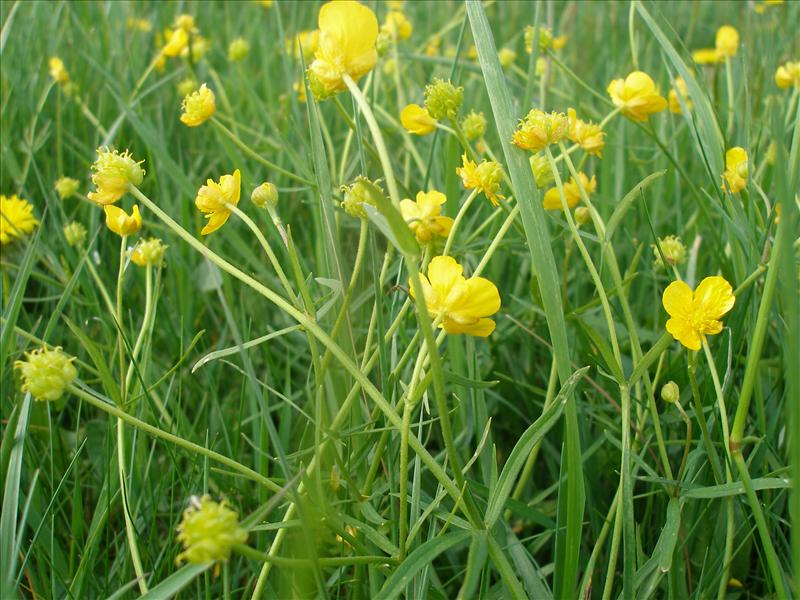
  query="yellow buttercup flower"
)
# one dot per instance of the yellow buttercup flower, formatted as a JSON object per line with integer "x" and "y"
{"x": 736, "y": 170}
{"x": 485, "y": 177}
{"x": 461, "y": 305}
{"x": 415, "y": 119}
{"x": 540, "y": 129}
{"x": 637, "y": 96}
{"x": 198, "y": 107}
{"x": 16, "y": 218}
{"x": 679, "y": 89}
{"x": 506, "y": 56}
{"x": 66, "y": 187}
{"x": 121, "y": 223}
{"x": 788, "y": 75}
{"x": 726, "y": 42}
{"x": 75, "y": 233}
{"x": 46, "y": 373}
{"x": 238, "y": 49}
{"x": 57, "y": 70}
{"x": 177, "y": 41}
{"x": 707, "y": 56}
{"x": 587, "y": 135}
{"x": 348, "y": 32}
{"x": 148, "y": 253}
{"x": 695, "y": 314}
{"x": 213, "y": 198}
{"x": 397, "y": 26}
{"x": 208, "y": 532}
{"x": 423, "y": 216}
{"x": 185, "y": 22}
{"x": 113, "y": 172}
{"x": 552, "y": 199}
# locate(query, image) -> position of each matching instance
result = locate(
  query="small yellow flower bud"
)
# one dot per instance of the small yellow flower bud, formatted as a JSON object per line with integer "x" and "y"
{"x": 46, "y": 373}
{"x": 582, "y": 215}
{"x": 357, "y": 195}
{"x": 397, "y": 26}
{"x": 57, "y": 70}
{"x": 148, "y": 253}
{"x": 120, "y": 222}
{"x": 176, "y": 42}
{"x": 113, "y": 172}
{"x": 541, "y": 66}
{"x": 75, "y": 233}
{"x": 443, "y": 99}
{"x": 506, "y": 56}
{"x": 265, "y": 195}
{"x": 546, "y": 39}
{"x": 185, "y": 22}
{"x": 542, "y": 172}
{"x": 474, "y": 125}
{"x": 390, "y": 67}
{"x": 198, "y": 107}
{"x": 66, "y": 187}
{"x": 727, "y": 41}
{"x": 673, "y": 249}
{"x": 238, "y": 49}
{"x": 208, "y": 532}
{"x": 187, "y": 86}
{"x": 539, "y": 129}
{"x": 670, "y": 392}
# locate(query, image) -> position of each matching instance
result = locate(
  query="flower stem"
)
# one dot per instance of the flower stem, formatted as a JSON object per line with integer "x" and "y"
{"x": 457, "y": 221}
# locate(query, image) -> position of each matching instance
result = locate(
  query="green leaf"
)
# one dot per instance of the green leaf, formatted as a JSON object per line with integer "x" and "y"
{"x": 725, "y": 490}
{"x": 627, "y": 201}
{"x": 476, "y": 558}
{"x": 522, "y": 449}
{"x": 175, "y": 582}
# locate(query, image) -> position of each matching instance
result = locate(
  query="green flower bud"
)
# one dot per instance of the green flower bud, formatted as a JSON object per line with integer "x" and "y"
{"x": 357, "y": 195}
{"x": 474, "y": 125}
{"x": 542, "y": 172}
{"x": 582, "y": 215}
{"x": 46, "y": 373}
{"x": 265, "y": 195}
{"x": 67, "y": 187}
{"x": 75, "y": 233}
{"x": 673, "y": 249}
{"x": 670, "y": 392}
{"x": 208, "y": 532}
{"x": 443, "y": 99}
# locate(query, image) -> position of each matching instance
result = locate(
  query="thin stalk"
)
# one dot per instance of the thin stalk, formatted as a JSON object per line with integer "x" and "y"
{"x": 496, "y": 241}
{"x": 146, "y": 322}
{"x": 130, "y": 530}
{"x": 457, "y": 221}
{"x": 729, "y": 82}
{"x": 701, "y": 419}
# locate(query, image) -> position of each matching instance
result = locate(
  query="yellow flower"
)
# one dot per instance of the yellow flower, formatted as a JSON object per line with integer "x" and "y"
{"x": 637, "y": 96}
{"x": 46, "y": 373}
{"x": 546, "y": 39}
{"x": 587, "y": 135}
{"x": 485, "y": 177}
{"x": 357, "y": 195}
{"x": 397, "y": 26}
{"x": 265, "y": 195}
{"x": 148, "y": 253}
{"x": 122, "y": 223}
{"x": 423, "y": 216}
{"x": 697, "y": 314}
{"x": 198, "y": 107}
{"x": 673, "y": 249}
{"x": 506, "y": 56}
{"x": 66, "y": 187}
{"x": 16, "y": 218}
{"x": 552, "y": 199}
{"x": 75, "y": 233}
{"x": 198, "y": 46}
{"x": 307, "y": 41}
{"x": 443, "y": 99}
{"x": 416, "y": 120}
{"x": 348, "y": 32}
{"x": 707, "y": 56}
{"x": 788, "y": 75}
{"x": 238, "y": 49}
{"x": 113, "y": 172}
{"x": 213, "y": 198}
{"x": 433, "y": 45}
{"x": 473, "y": 125}
{"x": 300, "y": 89}
{"x": 208, "y": 532}
{"x": 539, "y": 129}
{"x": 185, "y": 22}
{"x": 57, "y": 70}
{"x": 736, "y": 170}
{"x": 726, "y": 42}
{"x": 142, "y": 25}
{"x": 177, "y": 40}
{"x": 461, "y": 305}
{"x": 679, "y": 89}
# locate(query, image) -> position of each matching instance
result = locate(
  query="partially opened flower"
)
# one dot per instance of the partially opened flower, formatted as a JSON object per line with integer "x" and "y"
{"x": 122, "y": 223}
{"x": 113, "y": 173}
{"x": 695, "y": 314}
{"x": 485, "y": 177}
{"x": 423, "y": 216}
{"x": 348, "y": 32}
{"x": 461, "y": 305}
{"x": 176, "y": 42}
{"x": 198, "y": 107}
{"x": 586, "y": 134}
{"x": 540, "y": 129}
{"x": 397, "y": 26}
{"x": 572, "y": 193}
{"x": 358, "y": 195}
{"x": 679, "y": 89}
{"x": 726, "y": 42}
{"x": 16, "y": 218}
{"x": 209, "y": 531}
{"x": 637, "y": 96}
{"x": 148, "y": 253}
{"x": 788, "y": 75}
{"x": 214, "y": 197}
{"x": 46, "y": 373}
{"x": 57, "y": 70}
{"x": 736, "y": 170}
{"x": 415, "y": 119}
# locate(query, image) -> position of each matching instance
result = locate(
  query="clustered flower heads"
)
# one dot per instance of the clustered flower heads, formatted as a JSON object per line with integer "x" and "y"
{"x": 460, "y": 305}
{"x": 214, "y": 197}
{"x": 424, "y": 216}
{"x": 46, "y": 373}
{"x": 696, "y": 314}
{"x": 540, "y": 129}
{"x": 16, "y": 218}
{"x": 443, "y": 99}
{"x": 485, "y": 177}
{"x": 198, "y": 107}
{"x": 209, "y": 531}
{"x": 113, "y": 173}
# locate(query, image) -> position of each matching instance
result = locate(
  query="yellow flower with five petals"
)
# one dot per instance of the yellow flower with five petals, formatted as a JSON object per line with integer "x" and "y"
{"x": 695, "y": 314}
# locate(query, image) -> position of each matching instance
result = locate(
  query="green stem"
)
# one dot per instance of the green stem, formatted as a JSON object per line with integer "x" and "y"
{"x": 701, "y": 418}
{"x": 457, "y": 221}
{"x": 118, "y": 317}
{"x": 496, "y": 241}
{"x": 146, "y": 323}
{"x": 333, "y": 561}
{"x": 130, "y": 531}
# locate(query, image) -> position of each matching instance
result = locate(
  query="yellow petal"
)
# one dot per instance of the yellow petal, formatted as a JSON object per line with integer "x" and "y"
{"x": 430, "y": 202}
{"x": 677, "y": 299}
{"x": 682, "y": 331}
{"x": 444, "y": 273}
{"x": 715, "y": 296}
{"x": 481, "y": 328}
{"x": 480, "y": 300}
{"x": 215, "y": 221}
